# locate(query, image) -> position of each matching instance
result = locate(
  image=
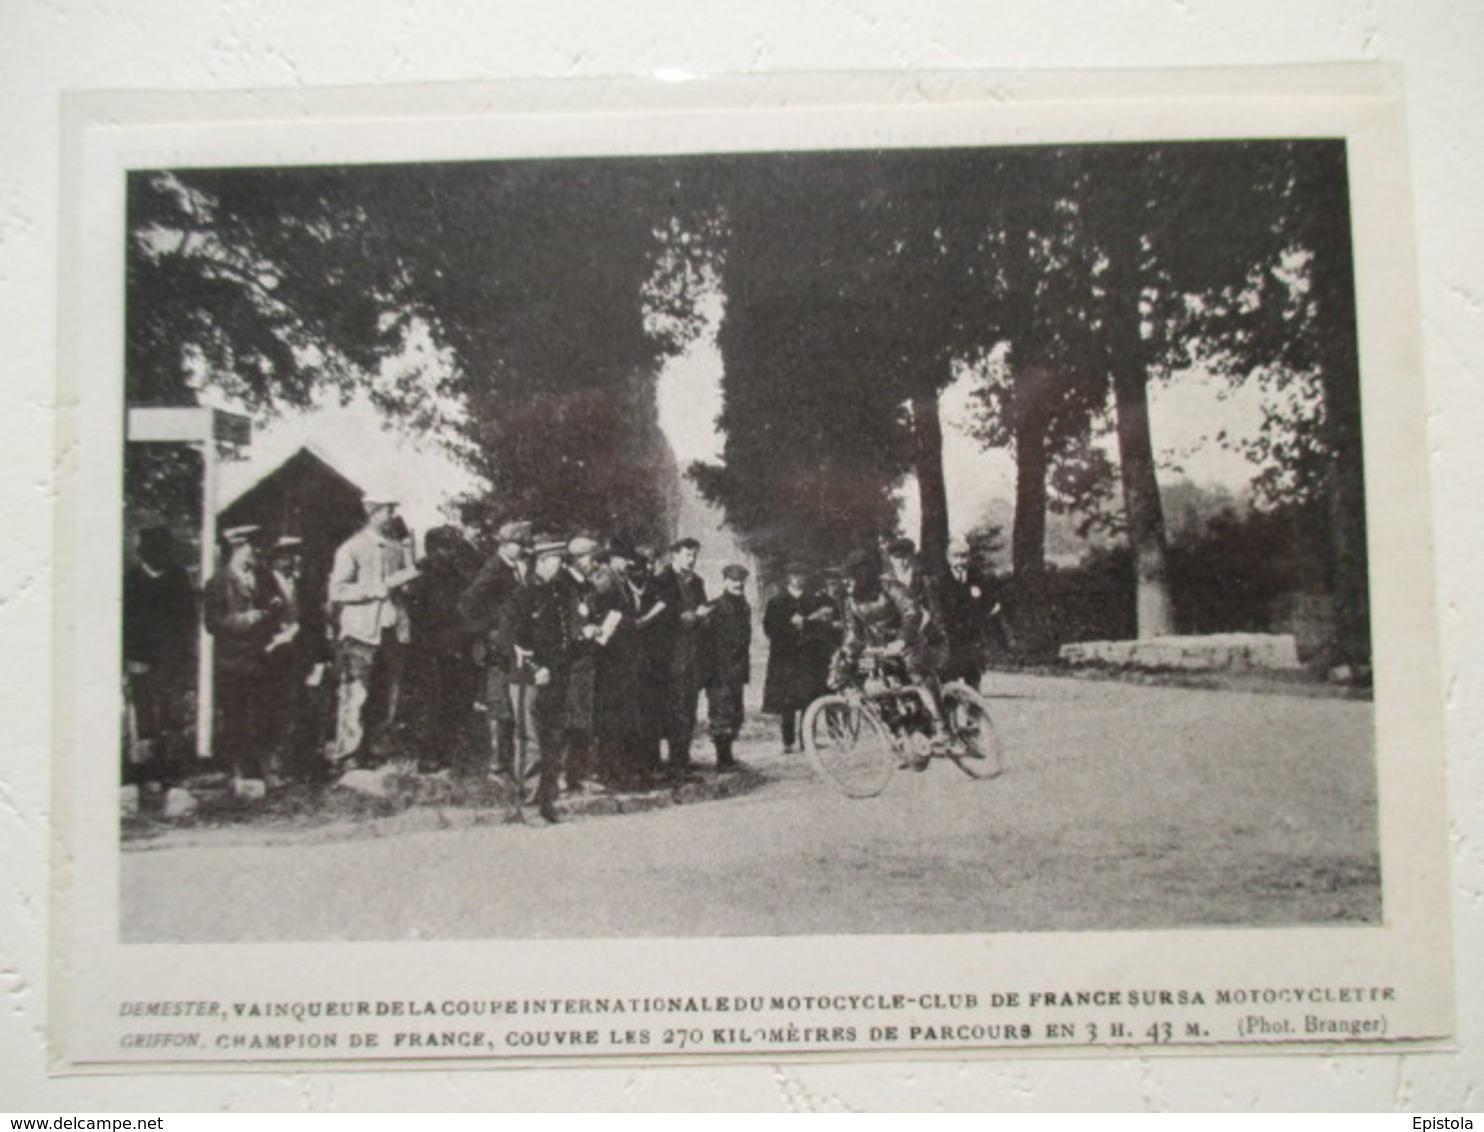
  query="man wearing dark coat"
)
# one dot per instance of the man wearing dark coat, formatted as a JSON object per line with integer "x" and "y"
{"x": 616, "y": 709}
{"x": 797, "y": 623}
{"x": 243, "y": 617}
{"x": 445, "y": 680}
{"x": 654, "y": 635}
{"x": 543, "y": 649}
{"x": 729, "y": 664}
{"x": 684, "y": 594}
{"x": 577, "y": 597}
{"x": 488, "y": 607}
{"x": 159, "y": 650}
{"x": 966, "y": 609}
{"x": 298, "y": 648}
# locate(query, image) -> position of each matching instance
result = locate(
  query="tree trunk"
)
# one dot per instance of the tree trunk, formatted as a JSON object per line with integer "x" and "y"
{"x": 1339, "y": 370}
{"x": 1028, "y": 538}
{"x": 927, "y": 444}
{"x": 1028, "y": 541}
{"x": 1154, "y": 609}
{"x": 1350, "y": 581}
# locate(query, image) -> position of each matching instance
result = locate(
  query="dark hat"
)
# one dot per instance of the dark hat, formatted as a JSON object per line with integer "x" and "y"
{"x": 735, "y": 572}
{"x": 442, "y": 538}
{"x": 639, "y": 564}
{"x": 858, "y": 562}
{"x": 518, "y": 532}
{"x": 156, "y": 539}
{"x": 901, "y": 548}
{"x": 684, "y": 544}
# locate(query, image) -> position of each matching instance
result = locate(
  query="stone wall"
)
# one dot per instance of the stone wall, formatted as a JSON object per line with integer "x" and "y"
{"x": 1216, "y": 652}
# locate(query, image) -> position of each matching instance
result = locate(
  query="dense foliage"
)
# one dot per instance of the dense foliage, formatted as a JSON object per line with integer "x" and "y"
{"x": 855, "y": 286}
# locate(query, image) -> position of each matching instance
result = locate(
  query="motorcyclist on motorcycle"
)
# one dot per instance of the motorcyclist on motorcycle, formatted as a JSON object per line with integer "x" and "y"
{"x": 882, "y": 614}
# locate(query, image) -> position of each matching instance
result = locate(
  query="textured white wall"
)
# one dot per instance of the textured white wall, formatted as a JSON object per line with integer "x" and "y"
{"x": 47, "y": 46}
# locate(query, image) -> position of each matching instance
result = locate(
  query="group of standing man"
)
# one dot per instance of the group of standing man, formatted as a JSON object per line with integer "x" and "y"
{"x": 594, "y": 661}
{"x": 588, "y": 660}
{"x": 584, "y": 659}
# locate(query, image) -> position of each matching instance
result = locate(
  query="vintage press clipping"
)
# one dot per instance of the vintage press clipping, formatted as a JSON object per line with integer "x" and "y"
{"x": 409, "y": 294}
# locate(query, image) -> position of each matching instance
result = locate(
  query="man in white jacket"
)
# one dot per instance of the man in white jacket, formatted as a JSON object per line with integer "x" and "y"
{"x": 371, "y": 567}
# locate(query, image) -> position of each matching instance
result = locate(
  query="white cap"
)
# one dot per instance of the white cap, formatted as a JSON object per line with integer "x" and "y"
{"x": 238, "y": 535}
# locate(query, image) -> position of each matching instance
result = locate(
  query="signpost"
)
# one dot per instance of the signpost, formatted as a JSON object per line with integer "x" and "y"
{"x": 208, "y": 428}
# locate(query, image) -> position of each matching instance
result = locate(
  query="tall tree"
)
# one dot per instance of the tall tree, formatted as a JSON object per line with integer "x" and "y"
{"x": 552, "y": 289}
{"x": 236, "y": 285}
{"x": 545, "y": 280}
{"x": 1125, "y": 199}
{"x": 1289, "y": 325}
{"x": 254, "y": 282}
{"x": 881, "y": 258}
{"x": 816, "y": 437}
{"x": 1244, "y": 265}
{"x": 917, "y": 280}
{"x": 1043, "y": 385}
{"x": 1323, "y": 224}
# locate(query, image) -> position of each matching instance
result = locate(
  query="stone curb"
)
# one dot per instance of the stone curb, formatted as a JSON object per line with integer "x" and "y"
{"x": 428, "y": 816}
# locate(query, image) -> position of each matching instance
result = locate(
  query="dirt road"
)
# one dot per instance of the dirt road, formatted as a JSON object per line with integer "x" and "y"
{"x": 1123, "y": 807}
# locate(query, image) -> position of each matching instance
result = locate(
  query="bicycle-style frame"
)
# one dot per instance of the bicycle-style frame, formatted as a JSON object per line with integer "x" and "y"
{"x": 858, "y": 737}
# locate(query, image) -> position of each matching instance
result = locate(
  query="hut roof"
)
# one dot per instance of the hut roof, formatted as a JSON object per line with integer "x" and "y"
{"x": 306, "y": 470}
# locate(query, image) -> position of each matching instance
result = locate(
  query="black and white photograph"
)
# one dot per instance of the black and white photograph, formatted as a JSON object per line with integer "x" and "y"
{"x": 660, "y": 452}
{"x": 814, "y": 549}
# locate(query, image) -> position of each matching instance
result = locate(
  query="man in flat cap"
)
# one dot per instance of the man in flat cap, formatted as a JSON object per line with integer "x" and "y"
{"x": 366, "y": 582}
{"x": 577, "y": 595}
{"x": 488, "y": 607}
{"x": 538, "y": 681}
{"x": 243, "y": 616}
{"x": 729, "y": 666}
{"x": 684, "y": 595}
